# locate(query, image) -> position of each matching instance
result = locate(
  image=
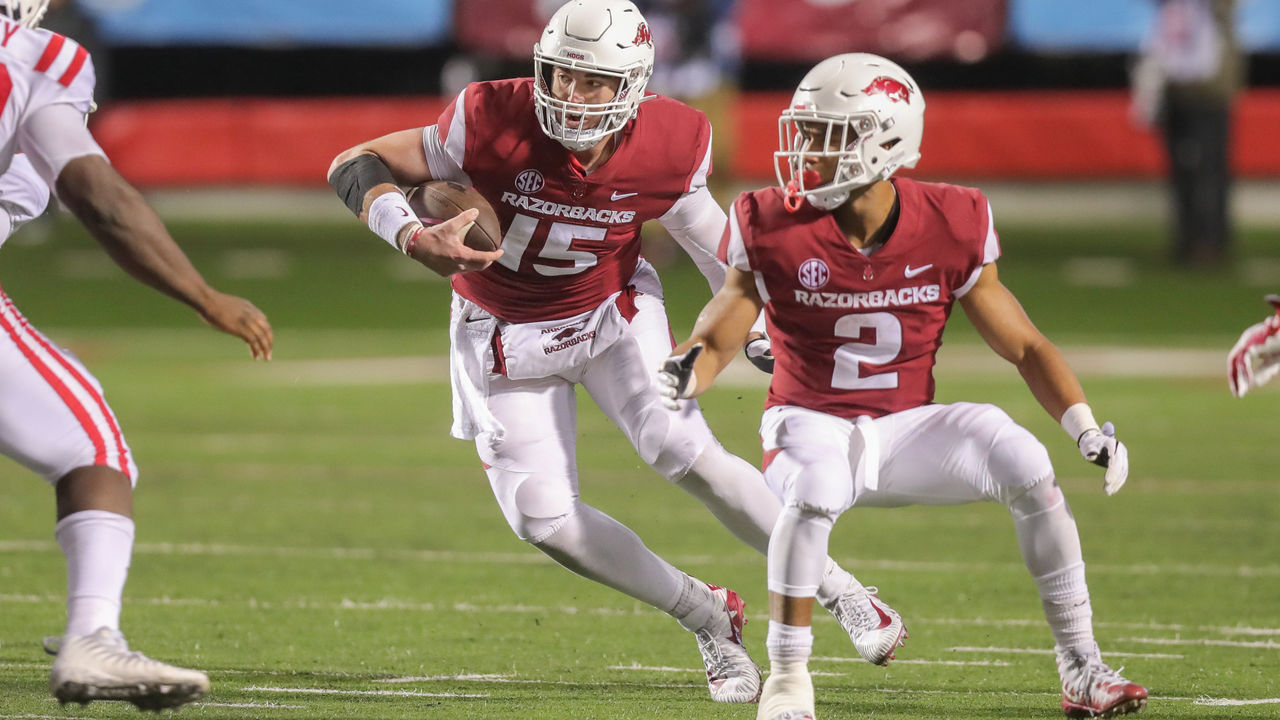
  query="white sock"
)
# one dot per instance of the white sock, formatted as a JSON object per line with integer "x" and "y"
{"x": 789, "y": 643}
{"x": 836, "y": 581}
{"x": 1050, "y": 545}
{"x": 1065, "y": 597}
{"x": 696, "y": 607}
{"x": 98, "y": 546}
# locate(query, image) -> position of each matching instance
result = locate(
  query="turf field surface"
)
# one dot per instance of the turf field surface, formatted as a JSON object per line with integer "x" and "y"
{"x": 310, "y": 536}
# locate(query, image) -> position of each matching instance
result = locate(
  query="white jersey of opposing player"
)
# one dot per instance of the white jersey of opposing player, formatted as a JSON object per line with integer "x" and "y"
{"x": 46, "y": 83}
{"x": 23, "y": 195}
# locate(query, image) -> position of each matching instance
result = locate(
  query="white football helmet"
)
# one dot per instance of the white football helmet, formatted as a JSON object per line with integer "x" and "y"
{"x": 860, "y": 108}
{"x": 606, "y": 37}
{"x": 24, "y": 12}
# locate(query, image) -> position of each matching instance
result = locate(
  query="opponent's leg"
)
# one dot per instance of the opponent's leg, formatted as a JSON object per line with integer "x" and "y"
{"x": 93, "y": 660}
{"x": 55, "y": 421}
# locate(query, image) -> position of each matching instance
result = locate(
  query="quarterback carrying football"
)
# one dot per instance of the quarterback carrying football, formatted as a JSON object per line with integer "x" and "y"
{"x": 574, "y": 160}
{"x": 857, "y": 272}
{"x": 53, "y": 416}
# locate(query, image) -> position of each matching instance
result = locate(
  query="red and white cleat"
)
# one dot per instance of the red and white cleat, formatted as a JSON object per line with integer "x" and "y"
{"x": 1091, "y": 689}
{"x": 731, "y": 675}
{"x": 877, "y": 630}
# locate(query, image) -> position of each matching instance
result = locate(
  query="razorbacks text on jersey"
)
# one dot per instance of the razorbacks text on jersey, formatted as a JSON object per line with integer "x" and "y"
{"x": 857, "y": 335}
{"x": 570, "y": 239}
{"x": 38, "y": 68}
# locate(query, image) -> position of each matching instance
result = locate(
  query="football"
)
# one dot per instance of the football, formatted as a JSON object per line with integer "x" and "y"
{"x": 439, "y": 200}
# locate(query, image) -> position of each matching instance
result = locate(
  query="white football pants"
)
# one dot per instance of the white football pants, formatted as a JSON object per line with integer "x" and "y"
{"x": 53, "y": 416}
{"x": 930, "y": 455}
{"x": 533, "y": 471}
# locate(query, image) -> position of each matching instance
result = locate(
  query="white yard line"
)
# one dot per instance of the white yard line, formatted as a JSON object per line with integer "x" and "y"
{"x": 655, "y": 668}
{"x": 534, "y": 558}
{"x": 1223, "y": 702}
{"x": 393, "y": 605}
{"x": 271, "y": 705}
{"x": 1045, "y": 651}
{"x": 914, "y": 661}
{"x": 1260, "y": 644}
{"x": 466, "y": 677}
{"x": 369, "y": 693}
{"x": 1037, "y": 622}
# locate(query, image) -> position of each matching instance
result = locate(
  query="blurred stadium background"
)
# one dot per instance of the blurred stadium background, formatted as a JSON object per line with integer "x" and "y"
{"x": 310, "y": 535}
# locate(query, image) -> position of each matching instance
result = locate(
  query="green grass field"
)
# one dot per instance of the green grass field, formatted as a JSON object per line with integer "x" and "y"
{"x": 309, "y": 535}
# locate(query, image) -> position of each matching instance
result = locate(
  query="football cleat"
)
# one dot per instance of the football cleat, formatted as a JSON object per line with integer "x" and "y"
{"x": 100, "y": 666}
{"x": 787, "y": 696}
{"x": 876, "y": 629}
{"x": 1091, "y": 689}
{"x": 731, "y": 675}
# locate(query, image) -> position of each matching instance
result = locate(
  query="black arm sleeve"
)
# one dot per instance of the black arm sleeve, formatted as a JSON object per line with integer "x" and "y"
{"x": 355, "y": 177}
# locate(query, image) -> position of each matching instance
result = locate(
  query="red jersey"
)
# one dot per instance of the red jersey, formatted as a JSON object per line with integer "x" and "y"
{"x": 570, "y": 239}
{"x": 856, "y": 335}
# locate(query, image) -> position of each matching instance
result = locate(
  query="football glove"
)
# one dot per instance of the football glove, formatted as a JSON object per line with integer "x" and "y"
{"x": 676, "y": 379}
{"x": 760, "y": 352}
{"x": 1255, "y": 359}
{"x": 1101, "y": 447}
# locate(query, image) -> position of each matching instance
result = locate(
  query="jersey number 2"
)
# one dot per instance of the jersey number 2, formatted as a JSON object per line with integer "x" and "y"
{"x": 556, "y": 257}
{"x": 850, "y": 356}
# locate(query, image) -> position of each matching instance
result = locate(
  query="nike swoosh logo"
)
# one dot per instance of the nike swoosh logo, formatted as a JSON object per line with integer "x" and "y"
{"x": 912, "y": 272}
{"x": 616, "y": 196}
{"x": 885, "y": 620}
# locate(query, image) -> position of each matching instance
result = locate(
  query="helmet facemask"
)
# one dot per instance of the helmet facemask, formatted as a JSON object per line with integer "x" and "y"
{"x": 860, "y": 109}
{"x": 608, "y": 38}
{"x": 554, "y": 115}
{"x": 805, "y": 135}
{"x": 27, "y": 13}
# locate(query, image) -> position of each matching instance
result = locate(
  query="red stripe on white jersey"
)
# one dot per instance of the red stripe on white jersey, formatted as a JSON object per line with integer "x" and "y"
{"x": 50, "y": 52}
{"x": 78, "y": 394}
{"x": 73, "y": 69}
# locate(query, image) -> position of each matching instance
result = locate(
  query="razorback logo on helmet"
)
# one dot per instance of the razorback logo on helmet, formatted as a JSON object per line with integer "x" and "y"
{"x": 643, "y": 36}
{"x": 890, "y": 88}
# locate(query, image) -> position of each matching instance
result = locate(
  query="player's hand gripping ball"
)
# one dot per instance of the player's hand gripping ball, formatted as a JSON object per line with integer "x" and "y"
{"x": 439, "y": 200}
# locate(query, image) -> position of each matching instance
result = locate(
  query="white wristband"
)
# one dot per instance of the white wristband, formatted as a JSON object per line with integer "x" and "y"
{"x": 1077, "y": 420}
{"x": 388, "y": 214}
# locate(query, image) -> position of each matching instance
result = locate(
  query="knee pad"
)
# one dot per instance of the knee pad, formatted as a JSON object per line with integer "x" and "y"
{"x": 1017, "y": 462}
{"x": 534, "y": 505}
{"x": 814, "y": 483}
{"x": 1043, "y": 497}
{"x": 670, "y": 442}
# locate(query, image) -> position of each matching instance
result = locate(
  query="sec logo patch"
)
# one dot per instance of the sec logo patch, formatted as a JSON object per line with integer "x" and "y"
{"x": 814, "y": 273}
{"x": 529, "y": 182}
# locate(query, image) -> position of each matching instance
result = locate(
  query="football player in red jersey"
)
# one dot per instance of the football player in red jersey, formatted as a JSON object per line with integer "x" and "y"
{"x": 574, "y": 160}
{"x": 857, "y": 273}
{"x": 54, "y": 418}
